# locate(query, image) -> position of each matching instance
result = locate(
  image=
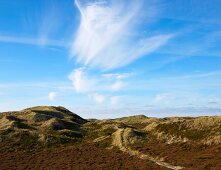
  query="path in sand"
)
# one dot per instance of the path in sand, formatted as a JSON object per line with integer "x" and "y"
{"x": 120, "y": 141}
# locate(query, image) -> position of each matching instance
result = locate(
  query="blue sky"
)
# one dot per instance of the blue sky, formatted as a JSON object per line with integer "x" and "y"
{"x": 106, "y": 59}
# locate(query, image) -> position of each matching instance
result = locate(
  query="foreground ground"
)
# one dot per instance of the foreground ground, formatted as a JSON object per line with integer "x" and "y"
{"x": 86, "y": 156}
{"x": 55, "y": 138}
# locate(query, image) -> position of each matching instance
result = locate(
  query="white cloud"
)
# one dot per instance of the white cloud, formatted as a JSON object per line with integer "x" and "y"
{"x": 99, "y": 87}
{"x": 162, "y": 97}
{"x": 117, "y": 86}
{"x": 31, "y": 41}
{"x": 84, "y": 82}
{"x": 52, "y": 96}
{"x": 50, "y": 21}
{"x": 81, "y": 82}
{"x": 115, "y": 100}
{"x": 98, "y": 97}
{"x": 106, "y": 36}
{"x": 46, "y": 22}
{"x": 117, "y": 75}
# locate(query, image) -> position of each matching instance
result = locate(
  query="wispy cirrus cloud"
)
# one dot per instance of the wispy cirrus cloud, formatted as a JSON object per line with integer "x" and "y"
{"x": 31, "y": 41}
{"x": 106, "y": 37}
{"x": 39, "y": 26}
{"x": 117, "y": 75}
{"x": 50, "y": 17}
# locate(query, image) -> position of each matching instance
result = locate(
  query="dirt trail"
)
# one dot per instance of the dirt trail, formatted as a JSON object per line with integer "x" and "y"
{"x": 100, "y": 138}
{"x": 120, "y": 141}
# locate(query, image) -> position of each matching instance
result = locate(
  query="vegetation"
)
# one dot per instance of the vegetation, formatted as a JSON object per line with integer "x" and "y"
{"x": 41, "y": 128}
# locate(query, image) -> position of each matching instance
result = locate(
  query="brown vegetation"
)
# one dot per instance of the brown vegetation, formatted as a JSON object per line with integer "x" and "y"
{"x": 78, "y": 157}
{"x": 46, "y": 137}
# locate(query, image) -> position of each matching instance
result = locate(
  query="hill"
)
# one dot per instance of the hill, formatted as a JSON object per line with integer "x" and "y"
{"x": 42, "y": 125}
{"x": 47, "y": 132}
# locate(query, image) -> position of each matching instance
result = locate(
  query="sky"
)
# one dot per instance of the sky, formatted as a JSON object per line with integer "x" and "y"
{"x": 112, "y": 58}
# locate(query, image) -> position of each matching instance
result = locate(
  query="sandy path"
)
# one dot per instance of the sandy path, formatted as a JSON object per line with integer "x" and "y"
{"x": 119, "y": 141}
{"x": 100, "y": 138}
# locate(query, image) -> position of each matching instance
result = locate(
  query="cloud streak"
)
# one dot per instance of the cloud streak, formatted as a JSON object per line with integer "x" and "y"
{"x": 44, "y": 23}
{"x": 31, "y": 41}
{"x": 106, "y": 37}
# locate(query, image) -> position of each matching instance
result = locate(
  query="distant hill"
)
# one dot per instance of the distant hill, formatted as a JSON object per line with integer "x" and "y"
{"x": 46, "y": 124}
{"x": 159, "y": 143}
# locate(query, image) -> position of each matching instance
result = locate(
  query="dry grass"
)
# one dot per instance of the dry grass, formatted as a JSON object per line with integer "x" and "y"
{"x": 51, "y": 125}
{"x": 44, "y": 126}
